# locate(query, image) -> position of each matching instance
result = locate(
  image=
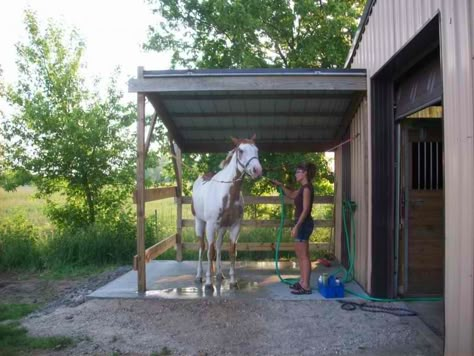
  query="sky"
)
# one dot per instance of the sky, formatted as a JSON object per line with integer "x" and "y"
{"x": 113, "y": 31}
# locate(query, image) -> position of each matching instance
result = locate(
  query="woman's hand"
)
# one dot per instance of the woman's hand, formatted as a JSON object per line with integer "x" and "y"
{"x": 277, "y": 183}
{"x": 294, "y": 231}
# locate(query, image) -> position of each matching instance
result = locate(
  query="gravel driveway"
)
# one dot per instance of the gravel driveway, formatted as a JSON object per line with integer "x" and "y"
{"x": 231, "y": 327}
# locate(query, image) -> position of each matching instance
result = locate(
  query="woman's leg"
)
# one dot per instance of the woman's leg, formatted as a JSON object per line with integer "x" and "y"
{"x": 299, "y": 249}
{"x": 302, "y": 249}
{"x": 298, "y": 258}
{"x": 306, "y": 265}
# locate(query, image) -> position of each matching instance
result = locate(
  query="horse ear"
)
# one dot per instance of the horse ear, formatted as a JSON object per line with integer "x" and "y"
{"x": 235, "y": 140}
{"x": 253, "y": 137}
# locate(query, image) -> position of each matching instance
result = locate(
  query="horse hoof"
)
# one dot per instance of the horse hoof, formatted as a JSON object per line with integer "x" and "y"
{"x": 209, "y": 287}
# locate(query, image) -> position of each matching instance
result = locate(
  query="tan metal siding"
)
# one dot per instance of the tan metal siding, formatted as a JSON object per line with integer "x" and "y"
{"x": 338, "y": 193}
{"x": 390, "y": 26}
{"x": 382, "y": 38}
{"x": 359, "y": 187}
{"x": 459, "y": 162}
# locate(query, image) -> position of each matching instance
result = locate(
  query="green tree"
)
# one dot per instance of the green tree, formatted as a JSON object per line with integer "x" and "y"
{"x": 255, "y": 33}
{"x": 63, "y": 137}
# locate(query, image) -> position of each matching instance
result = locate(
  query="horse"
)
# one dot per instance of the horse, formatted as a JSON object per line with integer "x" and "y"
{"x": 218, "y": 206}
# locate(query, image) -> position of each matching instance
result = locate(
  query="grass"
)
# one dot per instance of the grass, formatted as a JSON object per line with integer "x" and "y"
{"x": 83, "y": 252}
{"x": 14, "y": 339}
{"x": 74, "y": 272}
{"x": 15, "y": 311}
{"x": 23, "y": 202}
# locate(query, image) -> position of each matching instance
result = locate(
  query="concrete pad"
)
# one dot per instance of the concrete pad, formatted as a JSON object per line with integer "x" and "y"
{"x": 175, "y": 280}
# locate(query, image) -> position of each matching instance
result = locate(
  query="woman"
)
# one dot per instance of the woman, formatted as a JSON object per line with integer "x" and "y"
{"x": 304, "y": 224}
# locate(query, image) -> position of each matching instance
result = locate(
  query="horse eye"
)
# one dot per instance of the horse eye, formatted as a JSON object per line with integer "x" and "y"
{"x": 241, "y": 151}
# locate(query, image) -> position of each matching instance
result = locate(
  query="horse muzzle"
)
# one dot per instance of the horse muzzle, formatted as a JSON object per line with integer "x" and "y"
{"x": 255, "y": 172}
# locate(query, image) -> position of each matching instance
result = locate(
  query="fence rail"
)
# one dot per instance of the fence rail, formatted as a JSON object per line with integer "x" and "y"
{"x": 175, "y": 240}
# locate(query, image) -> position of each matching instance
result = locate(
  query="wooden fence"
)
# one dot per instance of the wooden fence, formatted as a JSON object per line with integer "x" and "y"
{"x": 175, "y": 240}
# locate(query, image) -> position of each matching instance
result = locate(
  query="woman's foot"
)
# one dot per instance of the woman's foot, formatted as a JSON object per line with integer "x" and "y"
{"x": 302, "y": 291}
{"x": 295, "y": 286}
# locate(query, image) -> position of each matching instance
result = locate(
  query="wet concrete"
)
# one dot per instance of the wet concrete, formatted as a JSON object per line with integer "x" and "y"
{"x": 258, "y": 281}
{"x": 176, "y": 280}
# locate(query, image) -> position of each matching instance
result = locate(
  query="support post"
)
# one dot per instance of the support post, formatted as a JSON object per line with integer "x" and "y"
{"x": 178, "y": 169}
{"x": 141, "y": 192}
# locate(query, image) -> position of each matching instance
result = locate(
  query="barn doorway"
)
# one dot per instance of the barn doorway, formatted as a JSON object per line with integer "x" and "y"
{"x": 419, "y": 179}
{"x": 421, "y": 204}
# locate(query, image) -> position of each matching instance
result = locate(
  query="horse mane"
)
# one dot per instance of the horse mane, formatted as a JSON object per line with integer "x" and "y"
{"x": 226, "y": 161}
{"x": 237, "y": 143}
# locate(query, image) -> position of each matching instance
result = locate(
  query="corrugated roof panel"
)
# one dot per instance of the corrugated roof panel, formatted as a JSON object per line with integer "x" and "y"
{"x": 298, "y": 105}
{"x": 282, "y": 105}
{"x": 286, "y": 110}
{"x": 207, "y": 106}
{"x": 222, "y": 106}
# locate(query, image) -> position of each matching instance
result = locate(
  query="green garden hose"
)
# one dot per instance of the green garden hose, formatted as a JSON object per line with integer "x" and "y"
{"x": 350, "y": 206}
{"x": 279, "y": 235}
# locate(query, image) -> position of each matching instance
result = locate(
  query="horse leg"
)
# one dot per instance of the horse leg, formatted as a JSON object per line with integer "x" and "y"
{"x": 212, "y": 248}
{"x": 199, "y": 227}
{"x": 210, "y": 227}
{"x": 220, "y": 234}
{"x": 234, "y": 236}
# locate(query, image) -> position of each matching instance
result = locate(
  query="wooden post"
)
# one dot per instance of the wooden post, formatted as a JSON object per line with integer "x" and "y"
{"x": 141, "y": 190}
{"x": 178, "y": 169}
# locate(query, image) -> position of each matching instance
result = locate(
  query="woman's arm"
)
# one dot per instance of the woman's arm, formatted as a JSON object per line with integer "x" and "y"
{"x": 288, "y": 192}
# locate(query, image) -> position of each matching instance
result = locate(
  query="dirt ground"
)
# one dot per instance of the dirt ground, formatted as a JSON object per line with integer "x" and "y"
{"x": 216, "y": 326}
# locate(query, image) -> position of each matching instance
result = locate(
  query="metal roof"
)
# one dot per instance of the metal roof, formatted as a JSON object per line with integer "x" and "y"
{"x": 360, "y": 31}
{"x": 290, "y": 110}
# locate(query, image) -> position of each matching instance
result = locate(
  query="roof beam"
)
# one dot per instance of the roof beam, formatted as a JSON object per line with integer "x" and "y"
{"x": 264, "y": 146}
{"x": 286, "y": 128}
{"x": 257, "y": 114}
{"x": 160, "y": 109}
{"x": 258, "y": 96}
{"x": 349, "y": 114}
{"x": 196, "y": 84}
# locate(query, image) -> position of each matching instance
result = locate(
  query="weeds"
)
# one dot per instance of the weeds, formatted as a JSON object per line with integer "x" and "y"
{"x": 15, "y": 311}
{"x": 24, "y": 245}
{"x": 15, "y": 339}
{"x": 20, "y": 244}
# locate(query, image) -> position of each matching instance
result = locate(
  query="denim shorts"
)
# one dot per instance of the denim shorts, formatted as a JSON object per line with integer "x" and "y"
{"x": 305, "y": 231}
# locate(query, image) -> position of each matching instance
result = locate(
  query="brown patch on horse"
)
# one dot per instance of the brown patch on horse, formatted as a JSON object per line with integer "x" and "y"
{"x": 232, "y": 210}
{"x": 226, "y": 161}
{"x": 208, "y": 176}
{"x": 238, "y": 141}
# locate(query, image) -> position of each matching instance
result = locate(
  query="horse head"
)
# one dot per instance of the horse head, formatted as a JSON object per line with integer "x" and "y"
{"x": 247, "y": 156}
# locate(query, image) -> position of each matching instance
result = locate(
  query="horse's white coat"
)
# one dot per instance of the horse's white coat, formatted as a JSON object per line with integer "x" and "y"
{"x": 218, "y": 206}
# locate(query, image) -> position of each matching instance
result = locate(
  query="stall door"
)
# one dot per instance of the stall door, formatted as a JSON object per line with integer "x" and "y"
{"x": 422, "y": 203}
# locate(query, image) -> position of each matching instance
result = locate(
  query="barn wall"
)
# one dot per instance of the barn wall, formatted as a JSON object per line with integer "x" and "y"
{"x": 359, "y": 188}
{"x": 390, "y": 26}
{"x": 338, "y": 194}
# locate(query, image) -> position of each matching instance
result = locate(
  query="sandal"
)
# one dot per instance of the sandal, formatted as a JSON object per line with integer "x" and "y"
{"x": 301, "y": 291}
{"x": 295, "y": 286}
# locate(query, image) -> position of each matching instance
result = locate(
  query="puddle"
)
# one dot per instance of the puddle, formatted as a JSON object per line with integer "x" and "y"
{"x": 221, "y": 289}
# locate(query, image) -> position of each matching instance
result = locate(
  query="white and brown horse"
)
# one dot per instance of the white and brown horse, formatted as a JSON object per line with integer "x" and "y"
{"x": 218, "y": 205}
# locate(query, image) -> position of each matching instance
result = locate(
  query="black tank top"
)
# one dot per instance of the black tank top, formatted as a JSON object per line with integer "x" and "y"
{"x": 299, "y": 201}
